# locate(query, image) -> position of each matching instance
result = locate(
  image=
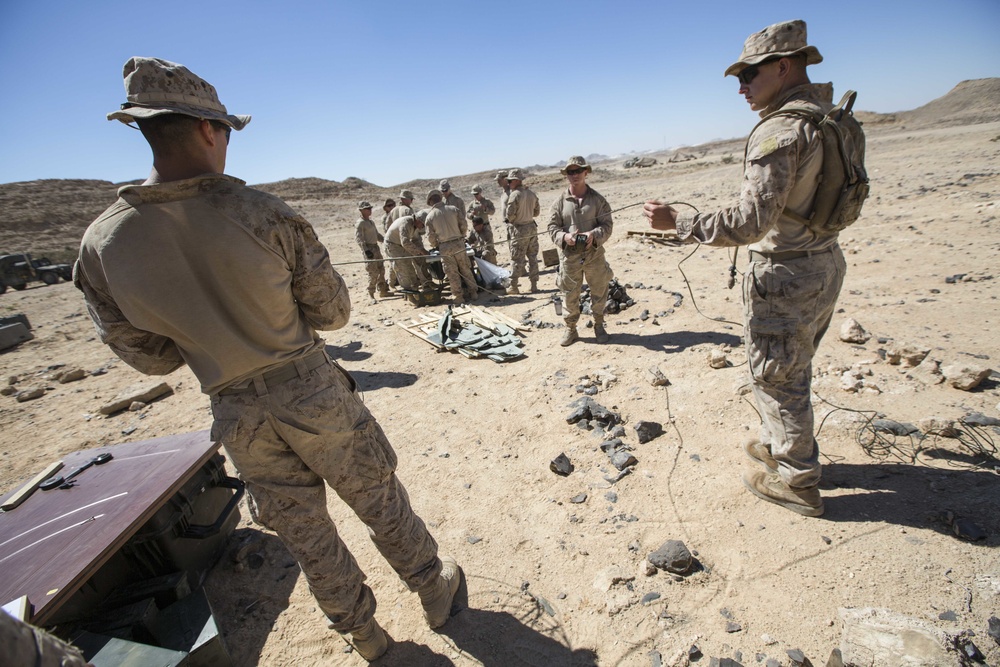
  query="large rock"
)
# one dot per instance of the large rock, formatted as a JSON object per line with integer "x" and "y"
{"x": 146, "y": 392}
{"x": 13, "y": 334}
{"x": 965, "y": 377}
{"x": 672, "y": 556}
{"x": 906, "y": 355}
{"x": 882, "y": 638}
{"x": 928, "y": 371}
{"x": 852, "y": 332}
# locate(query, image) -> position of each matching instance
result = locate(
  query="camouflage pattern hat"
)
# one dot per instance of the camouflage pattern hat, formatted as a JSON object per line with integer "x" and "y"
{"x": 389, "y": 202}
{"x": 780, "y": 39}
{"x": 406, "y": 194}
{"x": 515, "y": 175}
{"x": 502, "y": 174}
{"x": 476, "y": 189}
{"x": 432, "y": 193}
{"x": 444, "y": 186}
{"x": 576, "y": 161}
{"x": 421, "y": 215}
{"x": 363, "y": 205}
{"x": 155, "y": 87}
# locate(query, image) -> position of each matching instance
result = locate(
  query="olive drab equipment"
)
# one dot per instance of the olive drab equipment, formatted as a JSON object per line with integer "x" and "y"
{"x": 843, "y": 185}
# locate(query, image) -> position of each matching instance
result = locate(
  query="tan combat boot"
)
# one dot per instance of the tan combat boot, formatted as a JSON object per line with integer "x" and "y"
{"x": 760, "y": 453}
{"x": 370, "y": 642}
{"x": 513, "y": 289}
{"x": 600, "y": 334}
{"x": 770, "y": 487}
{"x": 570, "y": 337}
{"x": 437, "y": 596}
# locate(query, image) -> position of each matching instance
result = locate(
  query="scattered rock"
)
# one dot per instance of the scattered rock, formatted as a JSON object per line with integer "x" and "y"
{"x": 561, "y": 465}
{"x": 146, "y": 392}
{"x": 29, "y": 394}
{"x": 647, "y": 431}
{"x": 472, "y": 539}
{"x": 938, "y": 426}
{"x": 733, "y": 627}
{"x": 979, "y": 419}
{"x": 694, "y": 653}
{"x": 8, "y": 390}
{"x": 967, "y": 529}
{"x": 948, "y": 615}
{"x": 718, "y": 359}
{"x": 656, "y": 377}
{"x": 894, "y": 427}
{"x": 136, "y": 406}
{"x": 928, "y": 371}
{"x": 579, "y": 498}
{"x": 672, "y": 556}
{"x": 965, "y": 377}
{"x": 874, "y": 636}
{"x": 622, "y": 459}
{"x": 71, "y": 375}
{"x": 905, "y": 354}
{"x": 768, "y": 640}
{"x": 797, "y": 657}
{"x": 650, "y": 597}
{"x": 852, "y": 332}
{"x": 994, "y": 629}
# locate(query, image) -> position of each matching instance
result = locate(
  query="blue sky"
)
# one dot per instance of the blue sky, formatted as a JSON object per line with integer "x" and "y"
{"x": 392, "y": 91}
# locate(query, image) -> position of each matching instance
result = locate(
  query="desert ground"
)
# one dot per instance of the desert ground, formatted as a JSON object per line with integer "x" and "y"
{"x": 555, "y": 582}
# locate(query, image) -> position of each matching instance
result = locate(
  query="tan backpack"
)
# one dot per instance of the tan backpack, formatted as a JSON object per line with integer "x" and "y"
{"x": 843, "y": 184}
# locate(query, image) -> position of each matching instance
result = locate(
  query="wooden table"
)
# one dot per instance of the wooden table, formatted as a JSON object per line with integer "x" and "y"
{"x": 54, "y": 542}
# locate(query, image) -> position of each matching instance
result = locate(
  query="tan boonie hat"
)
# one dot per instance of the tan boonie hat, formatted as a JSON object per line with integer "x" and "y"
{"x": 515, "y": 175}
{"x": 388, "y": 202}
{"x": 432, "y": 193}
{"x": 780, "y": 39}
{"x": 444, "y": 186}
{"x": 476, "y": 189}
{"x": 576, "y": 161}
{"x": 155, "y": 87}
{"x": 421, "y": 215}
{"x": 406, "y": 194}
{"x": 502, "y": 174}
{"x": 363, "y": 205}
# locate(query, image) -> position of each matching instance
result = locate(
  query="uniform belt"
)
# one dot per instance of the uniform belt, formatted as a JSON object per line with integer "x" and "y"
{"x": 272, "y": 378}
{"x": 785, "y": 256}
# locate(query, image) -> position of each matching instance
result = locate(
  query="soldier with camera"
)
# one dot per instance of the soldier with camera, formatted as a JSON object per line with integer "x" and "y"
{"x": 579, "y": 224}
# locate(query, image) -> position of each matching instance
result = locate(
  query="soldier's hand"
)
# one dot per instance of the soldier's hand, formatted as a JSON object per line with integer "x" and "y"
{"x": 660, "y": 216}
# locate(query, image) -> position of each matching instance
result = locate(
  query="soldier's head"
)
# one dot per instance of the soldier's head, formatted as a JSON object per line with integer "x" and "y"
{"x": 502, "y": 178}
{"x": 179, "y": 114}
{"x": 419, "y": 218}
{"x": 576, "y": 170}
{"x": 514, "y": 178}
{"x": 388, "y": 205}
{"x": 477, "y": 192}
{"x": 773, "y": 61}
{"x": 366, "y": 209}
{"x": 405, "y": 197}
{"x": 478, "y": 223}
{"x": 445, "y": 187}
{"x": 434, "y": 197}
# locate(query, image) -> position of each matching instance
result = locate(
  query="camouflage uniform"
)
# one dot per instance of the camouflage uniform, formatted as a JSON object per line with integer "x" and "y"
{"x": 482, "y": 240}
{"x": 793, "y": 281}
{"x": 570, "y": 215}
{"x": 522, "y": 207}
{"x": 446, "y": 230}
{"x": 183, "y": 261}
{"x": 402, "y": 242}
{"x": 23, "y": 644}
{"x": 368, "y": 239}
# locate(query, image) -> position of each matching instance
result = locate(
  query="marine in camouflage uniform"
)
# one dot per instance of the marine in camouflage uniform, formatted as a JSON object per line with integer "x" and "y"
{"x": 795, "y": 275}
{"x": 204, "y": 271}
{"x": 581, "y": 210}
{"x": 367, "y": 237}
{"x": 446, "y": 230}
{"x": 402, "y": 245}
{"x": 521, "y": 210}
{"x": 387, "y": 207}
{"x": 504, "y": 196}
{"x": 449, "y": 197}
{"x": 481, "y": 235}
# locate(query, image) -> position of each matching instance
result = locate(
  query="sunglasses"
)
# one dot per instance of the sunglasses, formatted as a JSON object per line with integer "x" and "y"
{"x": 750, "y": 73}
{"x": 574, "y": 172}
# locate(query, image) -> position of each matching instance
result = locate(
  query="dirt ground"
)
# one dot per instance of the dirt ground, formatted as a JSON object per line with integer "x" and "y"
{"x": 475, "y": 439}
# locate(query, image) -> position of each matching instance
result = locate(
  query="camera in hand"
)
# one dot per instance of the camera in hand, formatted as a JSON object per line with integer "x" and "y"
{"x": 580, "y": 239}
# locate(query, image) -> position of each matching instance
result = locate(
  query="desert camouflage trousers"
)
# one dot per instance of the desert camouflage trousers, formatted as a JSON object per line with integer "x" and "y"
{"x": 409, "y": 273}
{"x": 788, "y": 306}
{"x": 287, "y": 442}
{"x": 524, "y": 247}
{"x": 376, "y": 271}
{"x": 457, "y": 270}
{"x": 575, "y": 266}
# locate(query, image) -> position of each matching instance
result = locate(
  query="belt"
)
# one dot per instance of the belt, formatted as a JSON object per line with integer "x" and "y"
{"x": 276, "y": 376}
{"x": 784, "y": 256}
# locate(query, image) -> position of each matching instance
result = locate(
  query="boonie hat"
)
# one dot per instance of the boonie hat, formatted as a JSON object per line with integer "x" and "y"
{"x": 363, "y": 205}
{"x": 444, "y": 186}
{"x": 421, "y": 215}
{"x": 406, "y": 194}
{"x": 154, "y": 87}
{"x": 476, "y": 189}
{"x": 502, "y": 174}
{"x": 576, "y": 161}
{"x": 780, "y": 39}
{"x": 515, "y": 175}
{"x": 432, "y": 193}
{"x": 389, "y": 202}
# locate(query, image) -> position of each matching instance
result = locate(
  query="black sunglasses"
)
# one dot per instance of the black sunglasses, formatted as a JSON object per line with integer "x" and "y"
{"x": 574, "y": 172}
{"x": 750, "y": 73}
{"x": 222, "y": 126}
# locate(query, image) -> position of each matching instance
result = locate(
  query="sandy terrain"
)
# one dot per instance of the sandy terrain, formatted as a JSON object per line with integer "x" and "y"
{"x": 475, "y": 438}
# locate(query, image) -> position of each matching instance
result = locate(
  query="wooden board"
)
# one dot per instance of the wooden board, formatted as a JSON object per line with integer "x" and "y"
{"x": 56, "y": 540}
